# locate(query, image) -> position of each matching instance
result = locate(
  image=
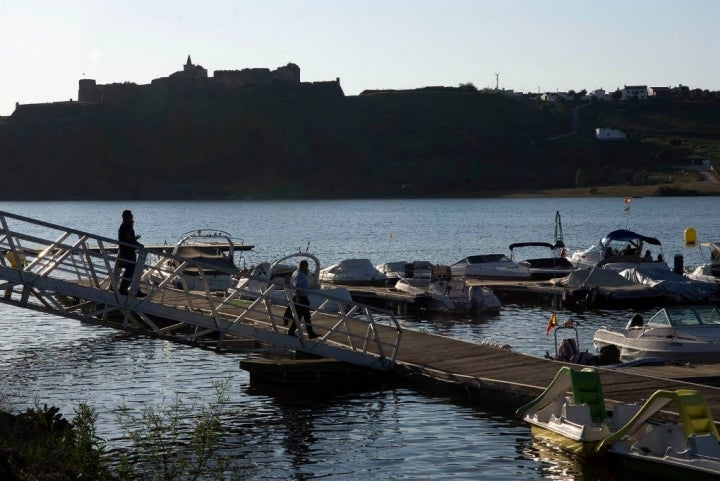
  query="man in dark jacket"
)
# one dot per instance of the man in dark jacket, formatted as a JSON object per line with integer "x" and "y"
{"x": 126, "y": 253}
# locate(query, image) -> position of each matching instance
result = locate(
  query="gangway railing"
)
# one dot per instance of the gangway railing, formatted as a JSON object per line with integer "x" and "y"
{"x": 70, "y": 273}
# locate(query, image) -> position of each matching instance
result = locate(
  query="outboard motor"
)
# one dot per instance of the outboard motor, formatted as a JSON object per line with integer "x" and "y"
{"x": 635, "y": 321}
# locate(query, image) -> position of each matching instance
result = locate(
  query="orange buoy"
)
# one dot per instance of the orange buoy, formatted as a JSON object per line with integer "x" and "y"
{"x": 690, "y": 236}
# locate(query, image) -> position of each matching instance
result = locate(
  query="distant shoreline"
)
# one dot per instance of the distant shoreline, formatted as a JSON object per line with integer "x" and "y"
{"x": 665, "y": 190}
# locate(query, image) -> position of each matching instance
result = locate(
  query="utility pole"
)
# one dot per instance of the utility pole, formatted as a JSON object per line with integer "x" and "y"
{"x": 497, "y": 81}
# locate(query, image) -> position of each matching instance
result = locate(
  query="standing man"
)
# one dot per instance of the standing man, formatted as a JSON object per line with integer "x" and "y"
{"x": 302, "y": 302}
{"x": 126, "y": 253}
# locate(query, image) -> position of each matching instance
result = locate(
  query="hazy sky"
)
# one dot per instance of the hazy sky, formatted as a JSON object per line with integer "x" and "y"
{"x": 534, "y": 45}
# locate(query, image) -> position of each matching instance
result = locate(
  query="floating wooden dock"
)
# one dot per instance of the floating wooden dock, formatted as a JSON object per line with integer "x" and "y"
{"x": 529, "y": 292}
{"x": 64, "y": 272}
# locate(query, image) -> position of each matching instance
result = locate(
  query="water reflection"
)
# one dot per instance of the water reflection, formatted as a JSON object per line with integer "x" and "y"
{"x": 553, "y": 463}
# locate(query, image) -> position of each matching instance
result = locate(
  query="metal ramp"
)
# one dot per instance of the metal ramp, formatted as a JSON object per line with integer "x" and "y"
{"x": 70, "y": 273}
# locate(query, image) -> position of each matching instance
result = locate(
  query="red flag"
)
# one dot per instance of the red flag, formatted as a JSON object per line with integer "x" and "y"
{"x": 551, "y": 323}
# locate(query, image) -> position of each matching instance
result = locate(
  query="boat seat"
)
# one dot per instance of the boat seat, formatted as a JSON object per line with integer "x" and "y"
{"x": 704, "y": 445}
{"x": 661, "y": 440}
{"x": 577, "y": 413}
{"x": 587, "y": 388}
{"x": 695, "y": 414}
{"x": 622, "y": 413}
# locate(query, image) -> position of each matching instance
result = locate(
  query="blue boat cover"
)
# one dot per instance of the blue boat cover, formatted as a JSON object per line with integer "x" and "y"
{"x": 628, "y": 235}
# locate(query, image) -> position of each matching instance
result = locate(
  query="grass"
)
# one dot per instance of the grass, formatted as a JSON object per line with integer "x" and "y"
{"x": 683, "y": 184}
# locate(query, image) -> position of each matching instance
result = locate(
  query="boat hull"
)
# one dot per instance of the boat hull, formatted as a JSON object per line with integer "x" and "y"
{"x": 579, "y": 447}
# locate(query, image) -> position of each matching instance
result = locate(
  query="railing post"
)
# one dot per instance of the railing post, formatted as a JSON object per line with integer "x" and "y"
{"x": 137, "y": 274}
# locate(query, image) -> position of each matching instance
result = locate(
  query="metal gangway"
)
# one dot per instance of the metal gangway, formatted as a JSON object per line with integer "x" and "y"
{"x": 74, "y": 274}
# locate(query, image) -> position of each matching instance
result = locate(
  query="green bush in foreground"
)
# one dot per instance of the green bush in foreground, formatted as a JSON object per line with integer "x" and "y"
{"x": 175, "y": 442}
{"x": 40, "y": 444}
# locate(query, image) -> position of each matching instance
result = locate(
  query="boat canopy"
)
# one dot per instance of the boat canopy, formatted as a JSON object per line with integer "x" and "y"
{"x": 532, "y": 244}
{"x": 628, "y": 235}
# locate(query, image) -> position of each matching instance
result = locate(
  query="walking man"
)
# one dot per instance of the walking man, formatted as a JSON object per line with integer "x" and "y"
{"x": 301, "y": 286}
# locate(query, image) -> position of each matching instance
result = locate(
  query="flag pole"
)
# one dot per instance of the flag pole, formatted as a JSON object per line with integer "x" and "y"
{"x": 628, "y": 202}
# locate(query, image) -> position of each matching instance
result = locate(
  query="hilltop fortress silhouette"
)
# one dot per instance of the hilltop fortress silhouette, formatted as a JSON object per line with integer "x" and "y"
{"x": 195, "y": 78}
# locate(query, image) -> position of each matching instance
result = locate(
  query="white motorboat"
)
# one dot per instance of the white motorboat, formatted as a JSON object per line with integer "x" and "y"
{"x": 490, "y": 266}
{"x": 688, "y": 448}
{"x": 200, "y": 259}
{"x": 443, "y": 293}
{"x": 674, "y": 334}
{"x": 543, "y": 268}
{"x": 708, "y": 272}
{"x": 353, "y": 272}
{"x": 272, "y": 281}
{"x": 619, "y": 250}
{"x": 578, "y": 422}
{"x": 406, "y": 269}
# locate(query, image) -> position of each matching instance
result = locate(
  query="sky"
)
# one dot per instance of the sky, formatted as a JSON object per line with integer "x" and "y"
{"x": 47, "y": 46}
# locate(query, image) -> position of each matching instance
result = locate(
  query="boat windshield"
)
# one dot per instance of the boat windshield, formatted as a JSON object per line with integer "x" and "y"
{"x": 686, "y": 316}
{"x": 488, "y": 258}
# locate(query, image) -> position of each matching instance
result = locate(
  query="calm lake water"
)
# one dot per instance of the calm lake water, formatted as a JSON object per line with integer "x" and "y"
{"x": 393, "y": 434}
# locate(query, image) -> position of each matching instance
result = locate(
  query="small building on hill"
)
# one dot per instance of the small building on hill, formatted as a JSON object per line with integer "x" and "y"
{"x": 639, "y": 92}
{"x": 605, "y": 133}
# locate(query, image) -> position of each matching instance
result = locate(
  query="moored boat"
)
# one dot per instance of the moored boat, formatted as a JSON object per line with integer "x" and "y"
{"x": 577, "y": 422}
{"x": 200, "y": 259}
{"x": 677, "y": 334}
{"x": 689, "y": 446}
{"x": 272, "y": 281}
{"x": 710, "y": 271}
{"x": 543, "y": 268}
{"x": 490, "y": 266}
{"x": 406, "y": 269}
{"x": 353, "y": 272}
{"x": 446, "y": 294}
{"x": 620, "y": 249}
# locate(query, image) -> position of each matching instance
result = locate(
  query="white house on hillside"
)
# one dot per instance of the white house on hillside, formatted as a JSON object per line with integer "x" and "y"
{"x": 600, "y": 94}
{"x": 605, "y": 133}
{"x": 639, "y": 92}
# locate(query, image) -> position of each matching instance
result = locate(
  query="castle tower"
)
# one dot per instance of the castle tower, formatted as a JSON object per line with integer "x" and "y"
{"x": 194, "y": 70}
{"x": 88, "y": 91}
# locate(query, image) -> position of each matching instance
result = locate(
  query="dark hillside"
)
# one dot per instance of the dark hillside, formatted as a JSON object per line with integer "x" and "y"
{"x": 425, "y": 142}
